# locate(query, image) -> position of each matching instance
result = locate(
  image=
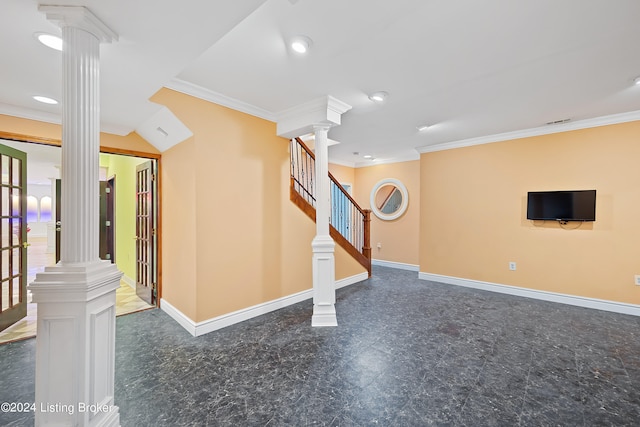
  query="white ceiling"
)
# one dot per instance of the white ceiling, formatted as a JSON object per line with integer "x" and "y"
{"x": 469, "y": 68}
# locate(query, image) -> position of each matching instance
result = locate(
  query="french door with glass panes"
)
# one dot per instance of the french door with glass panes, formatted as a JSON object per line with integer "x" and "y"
{"x": 13, "y": 236}
{"x": 146, "y": 283}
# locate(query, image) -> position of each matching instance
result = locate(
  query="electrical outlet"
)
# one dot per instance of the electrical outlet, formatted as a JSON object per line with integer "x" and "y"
{"x": 637, "y": 279}
{"x": 512, "y": 266}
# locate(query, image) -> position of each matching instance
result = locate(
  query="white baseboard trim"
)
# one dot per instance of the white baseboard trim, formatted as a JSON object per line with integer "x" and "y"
{"x": 129, "y": 281}
{"x": 398, "y": 265}
{"x": 351, "y": 280}
{"x": 598, "y": 304}
{"x": 178, "y": 316}
{"x": 200, "y": 328}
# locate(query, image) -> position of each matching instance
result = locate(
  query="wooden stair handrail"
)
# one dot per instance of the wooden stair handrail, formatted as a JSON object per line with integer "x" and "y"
{"x": 335, "y": 181}
{"x": 362, "y": 255}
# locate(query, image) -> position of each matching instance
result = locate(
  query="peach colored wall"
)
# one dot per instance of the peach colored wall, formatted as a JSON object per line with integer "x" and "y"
{"x": 473, "y": 221}
{"x": 252, "y": 244}
{"x": 399, "y": 237}
{"x": 179, "y": 227}
{"x": 344, "y": 174}
{"x": 52, "y": 131}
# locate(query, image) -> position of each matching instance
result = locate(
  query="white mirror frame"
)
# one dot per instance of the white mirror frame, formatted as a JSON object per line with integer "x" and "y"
{"x": 403, "y": 206}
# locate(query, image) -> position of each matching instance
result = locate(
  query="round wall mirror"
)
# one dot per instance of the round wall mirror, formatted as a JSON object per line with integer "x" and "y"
{"x": 389, "y": 199}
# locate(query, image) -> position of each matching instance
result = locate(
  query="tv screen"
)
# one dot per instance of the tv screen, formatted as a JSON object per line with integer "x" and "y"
{"x": 562, "y": 205}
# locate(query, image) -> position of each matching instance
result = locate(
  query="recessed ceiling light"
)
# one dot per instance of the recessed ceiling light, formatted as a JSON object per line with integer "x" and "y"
{"x": 45, "y": 100}
{"x": 379, "y": 97}
{"x": 367, "y": 156}
{"x": 300, "y": 44}
{"x": 636, "y": 81}
{"x": 423, "y": 128}
{"x": 49, "y": 40}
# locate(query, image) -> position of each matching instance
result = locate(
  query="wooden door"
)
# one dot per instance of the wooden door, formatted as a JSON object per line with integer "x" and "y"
{"x": 13, "y": 236}
{"x": 145, "y": 232}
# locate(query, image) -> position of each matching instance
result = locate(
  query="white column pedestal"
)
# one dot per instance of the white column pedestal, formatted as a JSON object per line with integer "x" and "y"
{"x": 324, "y": 288}
{"x": 75, "y": 353}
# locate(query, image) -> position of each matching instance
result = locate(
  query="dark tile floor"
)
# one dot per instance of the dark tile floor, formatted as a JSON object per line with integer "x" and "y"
{"x": 406, "y": 353}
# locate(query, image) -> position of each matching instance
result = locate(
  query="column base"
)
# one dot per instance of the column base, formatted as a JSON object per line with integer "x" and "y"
{"x": 75, "y": 344}
{"x": 324, "y": 315}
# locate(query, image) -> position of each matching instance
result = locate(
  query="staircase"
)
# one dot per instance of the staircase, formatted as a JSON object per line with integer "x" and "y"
{"x": 349, "y": 224}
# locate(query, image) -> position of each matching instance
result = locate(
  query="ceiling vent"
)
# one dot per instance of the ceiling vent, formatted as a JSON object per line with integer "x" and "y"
{"x": 163, "y": 130}
{"x": 557, "y": 122}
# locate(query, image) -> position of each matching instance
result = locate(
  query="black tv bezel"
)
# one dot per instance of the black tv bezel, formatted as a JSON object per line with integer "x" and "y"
{"x": 562, "y": 219}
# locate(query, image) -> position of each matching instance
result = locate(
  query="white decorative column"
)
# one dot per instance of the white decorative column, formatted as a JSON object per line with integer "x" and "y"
{"x": 319, "y": 116}
{"x": 75, "y": 344}
{"x": 324, "y": 281}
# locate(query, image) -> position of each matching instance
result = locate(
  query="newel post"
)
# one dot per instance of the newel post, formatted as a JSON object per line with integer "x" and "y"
{"x": 366, "y": 248}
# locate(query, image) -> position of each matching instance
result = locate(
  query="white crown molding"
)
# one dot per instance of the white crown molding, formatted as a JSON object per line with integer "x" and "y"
{"x": 28, "y": 113}
{"x": 337, "y": 107}
{"x": 542, "y": 130}
{"x": 318, "y": 104}
{"x": 369, "y": 163}
{"x": 399, "y": 159}
{"x": 325, "y": 111}
{"x": 598, "y": 304}
{"x": 341, "y": 163}
{"x": 115, "y": 129}
{"x": 218, "y": 98}
{"x": 56, "y": 119}
{"x": 200, "y": 328}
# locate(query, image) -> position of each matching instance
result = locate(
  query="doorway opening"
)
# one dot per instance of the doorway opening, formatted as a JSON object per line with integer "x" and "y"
{"x": 118, "y": 225}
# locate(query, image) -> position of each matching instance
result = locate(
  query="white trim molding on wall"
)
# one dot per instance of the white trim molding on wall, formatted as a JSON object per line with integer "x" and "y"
{"x": 200, "y": 328}
{"x": 598, "y": 304}
{"x": 393, "y": 264}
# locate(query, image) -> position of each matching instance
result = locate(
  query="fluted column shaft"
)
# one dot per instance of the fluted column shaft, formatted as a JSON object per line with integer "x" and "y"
{"x": 323, "y": 196}
{"x": 80, "y": 146}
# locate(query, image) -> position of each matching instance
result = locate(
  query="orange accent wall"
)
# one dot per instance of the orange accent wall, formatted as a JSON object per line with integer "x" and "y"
{"x": 473, "y": 213}
{"x": 399, "y": 238}
{"x": 245, "y": 242}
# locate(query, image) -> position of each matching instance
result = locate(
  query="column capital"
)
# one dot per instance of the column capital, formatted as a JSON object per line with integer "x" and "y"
{"x": 301, "y": 119}
{"x": 322, "y": 127}
{"x": 79, "y": 17}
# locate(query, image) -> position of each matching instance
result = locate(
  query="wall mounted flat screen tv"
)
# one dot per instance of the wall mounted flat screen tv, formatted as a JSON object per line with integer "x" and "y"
{"x": 562, "y": 205}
